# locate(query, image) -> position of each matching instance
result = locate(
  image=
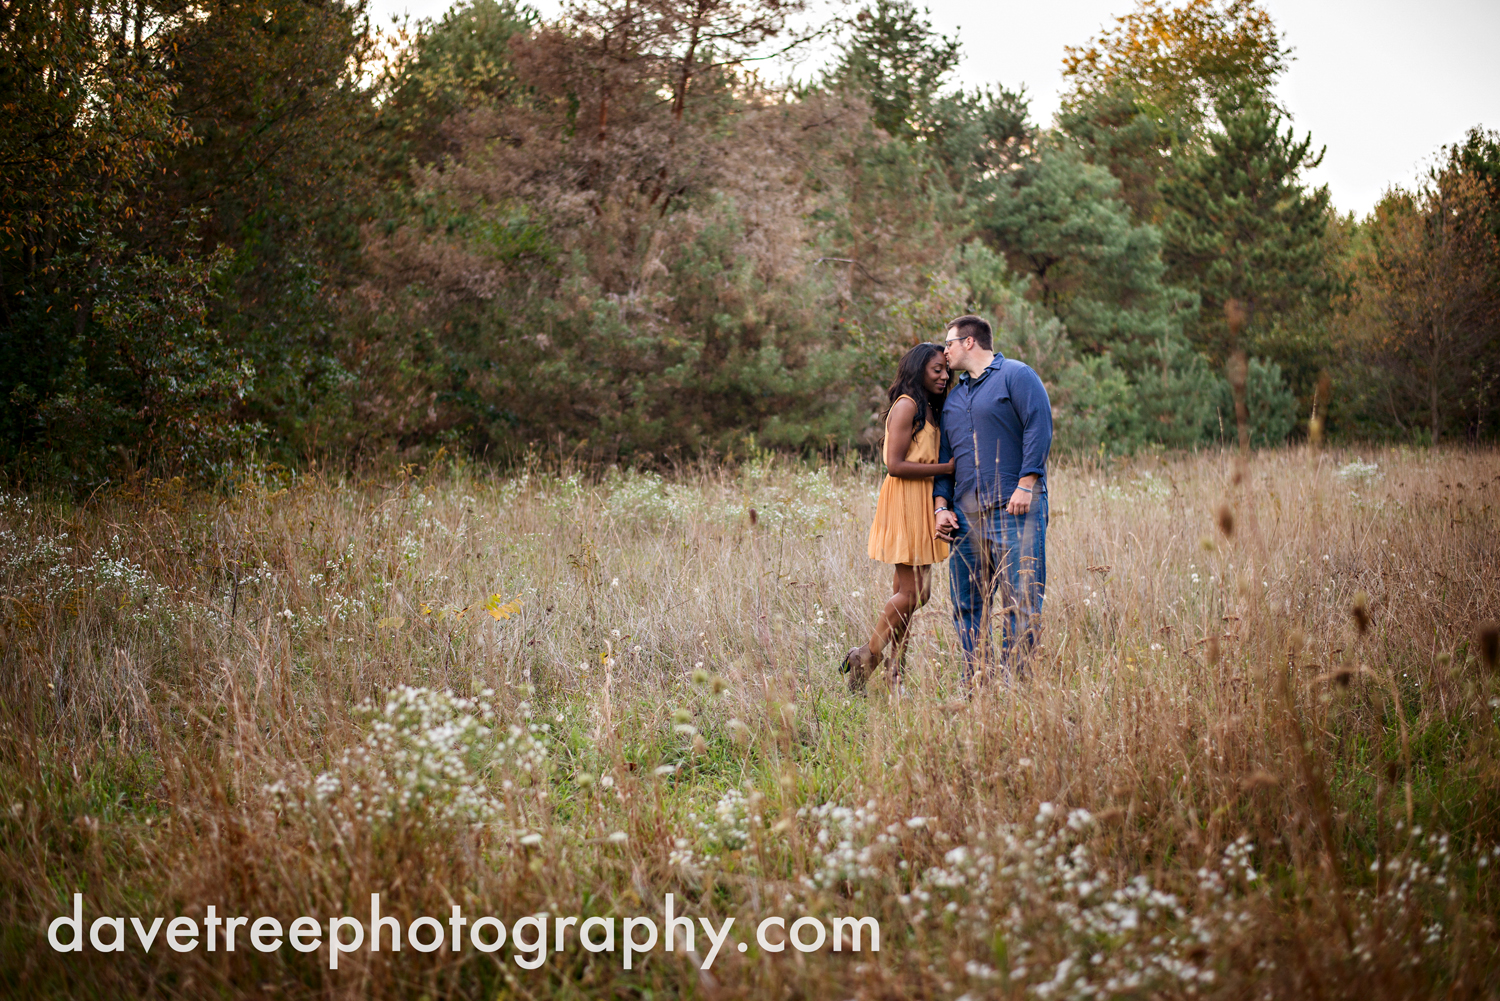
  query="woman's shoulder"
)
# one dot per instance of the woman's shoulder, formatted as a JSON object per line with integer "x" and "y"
{"x": 903, "y": 409}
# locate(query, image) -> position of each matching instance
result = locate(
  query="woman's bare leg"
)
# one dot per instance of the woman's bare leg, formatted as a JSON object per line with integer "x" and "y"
{"x": 917, "y": 597}
{"x": 909, "y": 592}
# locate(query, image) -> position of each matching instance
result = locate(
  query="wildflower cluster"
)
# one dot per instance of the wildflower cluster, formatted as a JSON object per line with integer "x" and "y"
{"x": 1145, "y": 486}
{"x": 425, "y": 757}
{"x": 1358, "y": 471}
{"x": 1068, "y": 931}
{"x": 48, "y": 568}
{"x": 1410, "y": 892}
{"x": 850, "y": 841}
{"x": 809, "y": 502}
{"x": 685, "y": 860}
{"x": 646, "y": 497}
{"x": 729, "y": 828}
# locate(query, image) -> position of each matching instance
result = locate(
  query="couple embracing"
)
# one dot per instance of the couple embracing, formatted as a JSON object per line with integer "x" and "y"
{"x": 966, "y": 440}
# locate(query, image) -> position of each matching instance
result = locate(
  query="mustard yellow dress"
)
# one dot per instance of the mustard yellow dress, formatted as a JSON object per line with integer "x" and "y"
{"x": 904, "y": 523}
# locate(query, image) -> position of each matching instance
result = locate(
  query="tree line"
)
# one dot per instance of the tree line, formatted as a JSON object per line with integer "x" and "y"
{"x": 281, "y": 232}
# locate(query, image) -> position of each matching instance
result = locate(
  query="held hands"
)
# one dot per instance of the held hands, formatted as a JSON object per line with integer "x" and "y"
{"x": 947, "y": 524}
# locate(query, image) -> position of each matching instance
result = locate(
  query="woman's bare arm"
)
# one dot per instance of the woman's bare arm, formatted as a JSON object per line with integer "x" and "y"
{"x": 898, "y": 443}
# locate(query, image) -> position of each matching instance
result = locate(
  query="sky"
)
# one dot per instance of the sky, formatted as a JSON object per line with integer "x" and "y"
{"x": 1382, "y": 84}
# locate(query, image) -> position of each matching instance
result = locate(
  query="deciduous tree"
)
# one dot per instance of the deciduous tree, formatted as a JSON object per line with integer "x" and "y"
{"x": 1432, "y": 267}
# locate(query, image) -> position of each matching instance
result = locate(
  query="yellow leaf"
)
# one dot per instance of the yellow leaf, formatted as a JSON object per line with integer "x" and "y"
{"x": 426, "y": 609}
{"x": 391, "y": 622}
{"x": 499, "y": 608}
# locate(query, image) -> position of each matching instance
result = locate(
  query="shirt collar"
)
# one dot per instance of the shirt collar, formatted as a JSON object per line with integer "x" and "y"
{"x": 998, "y": 360}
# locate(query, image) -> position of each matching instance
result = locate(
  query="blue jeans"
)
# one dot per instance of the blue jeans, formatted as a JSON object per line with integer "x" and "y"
{"x": 996, "y": 550}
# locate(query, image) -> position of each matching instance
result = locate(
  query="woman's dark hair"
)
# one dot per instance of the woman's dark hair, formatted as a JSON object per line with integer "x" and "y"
{"x": 909, "y": 382}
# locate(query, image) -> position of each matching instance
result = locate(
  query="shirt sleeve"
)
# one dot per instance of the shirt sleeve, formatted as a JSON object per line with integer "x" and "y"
{"x": 1035, "y": 410}
{"x": 942, "y": 486}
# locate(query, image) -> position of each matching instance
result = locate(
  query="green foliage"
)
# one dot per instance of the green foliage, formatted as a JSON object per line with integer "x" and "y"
{"x": 1094, "y": 268}
{"x": 459, "y": 62}
{"x": 248, "y": 223}
{"x": 149, "y": 383}
{"x": 1117, "y": 130}
{"x": 281, "y": 173}
{"x": 1240, "y": 225}
{"x": 1144, "y": 91}
{"x": 1271, "y": 404}
{"x": 722, "y": 351}
{"x": 1164, "y": 396}
{"x": 899, "y": 63}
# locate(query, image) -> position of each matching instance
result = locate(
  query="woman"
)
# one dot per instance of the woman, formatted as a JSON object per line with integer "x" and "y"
{"x": 904, "y": 531}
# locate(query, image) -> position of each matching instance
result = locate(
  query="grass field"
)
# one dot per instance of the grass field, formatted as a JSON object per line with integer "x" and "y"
{"x": 1261, "y": 762}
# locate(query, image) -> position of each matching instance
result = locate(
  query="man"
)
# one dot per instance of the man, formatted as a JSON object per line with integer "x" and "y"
{"x": 997, "y": 426}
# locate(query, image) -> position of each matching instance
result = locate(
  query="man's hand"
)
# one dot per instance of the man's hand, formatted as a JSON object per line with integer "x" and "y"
{"x": 947, "y": 524}
{"x": 1020, "y": 501}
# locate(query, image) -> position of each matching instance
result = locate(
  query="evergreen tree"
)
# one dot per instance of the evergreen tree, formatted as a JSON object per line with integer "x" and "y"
{"x": 459, "y": 62}
{"x": 1124, "y": 132}
{"x": 1240, "y": 225}
{"x": 1061, "y": 221}
{"x": 897, "y": 60}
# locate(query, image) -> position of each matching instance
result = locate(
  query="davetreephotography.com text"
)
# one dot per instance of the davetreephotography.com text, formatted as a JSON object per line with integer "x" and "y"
{"x": 531, "y": 937}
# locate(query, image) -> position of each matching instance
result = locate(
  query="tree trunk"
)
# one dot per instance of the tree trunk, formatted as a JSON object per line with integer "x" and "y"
{"x": 680, "y": 102}
{"x": 1432, "y": 384}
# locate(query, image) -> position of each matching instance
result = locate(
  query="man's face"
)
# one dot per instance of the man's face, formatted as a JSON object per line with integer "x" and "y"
{"x": 956, "y": 348}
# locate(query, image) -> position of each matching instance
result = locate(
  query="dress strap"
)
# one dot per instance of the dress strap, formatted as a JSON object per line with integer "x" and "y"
{"x": 903, "y": 396}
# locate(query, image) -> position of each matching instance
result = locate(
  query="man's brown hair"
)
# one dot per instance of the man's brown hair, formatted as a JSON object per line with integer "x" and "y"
{"x": 973, "y": 326}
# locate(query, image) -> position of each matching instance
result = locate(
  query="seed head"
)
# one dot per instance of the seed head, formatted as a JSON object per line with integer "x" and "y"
{"x": 1213, "y": 650}
{"x": 1237, "y": 369}
{"x": 753, "y": 517}
{"x": 1489, "y": 644}
{"x": 1226, "y": 520}
{"x": 1234, "y": 313}
{"x": 1259, "y": 779}
{"x": 1361, "y": 611}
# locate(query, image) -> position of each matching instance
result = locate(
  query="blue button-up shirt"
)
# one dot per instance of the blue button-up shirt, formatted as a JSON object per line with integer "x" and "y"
{"x": 999, "y": 428}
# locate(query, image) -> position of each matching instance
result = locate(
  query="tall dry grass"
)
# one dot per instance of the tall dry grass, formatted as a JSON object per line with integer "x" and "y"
{"x": 1258, "y": 754}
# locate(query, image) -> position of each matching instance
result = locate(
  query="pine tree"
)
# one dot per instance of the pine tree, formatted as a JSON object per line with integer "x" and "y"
{"x": 1239, "y": 224}
{"x": 899, "y": 63}
{"x": 1062, "y": 222}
